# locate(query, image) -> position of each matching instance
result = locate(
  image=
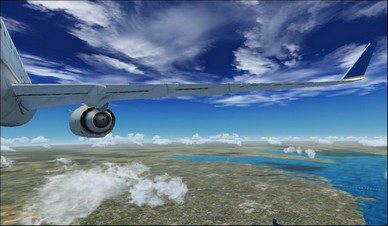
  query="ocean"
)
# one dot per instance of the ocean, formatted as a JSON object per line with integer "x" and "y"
{"x": 358, "y": 173}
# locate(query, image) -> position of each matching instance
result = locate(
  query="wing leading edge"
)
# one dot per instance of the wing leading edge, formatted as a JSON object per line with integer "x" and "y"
{"x": 34, "y": 96}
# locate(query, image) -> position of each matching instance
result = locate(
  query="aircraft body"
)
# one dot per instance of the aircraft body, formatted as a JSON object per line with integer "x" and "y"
{"x": 20, "y": 99}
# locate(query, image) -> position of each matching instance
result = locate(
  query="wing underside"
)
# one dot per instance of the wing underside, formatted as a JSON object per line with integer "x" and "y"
{"x": 34, "y": 96}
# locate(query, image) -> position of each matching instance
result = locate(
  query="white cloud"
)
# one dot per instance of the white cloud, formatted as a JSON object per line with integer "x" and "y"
{"x": 323, "y": 141}
{"x": 340, "y": 59}
{"x": 82, "y": 191}
{"x": 271, "y": 53}
{"x": 39, "y": 140}
{"x": 195, "y": 139}
{"x": 274, "y": 141}
{"x": 310, "y": 152}
{"x": 6, "y": 148}
{"x": 148, "y": 192}
{"x": 293, "y": 149}
{"x": 14, "y": 25}
{"x": 110, "y": 140}
{"x": 64, "y": 161}
{"x": 97, "y": 59}
{"x": 225, "y": 138}
{"x": 374, "y": 142}
{"x": 6, "y": 162}
{"x": 23, "y": 140}
{"x": 39, "y": 66}
{"x": 87, "y": 12}
{"x": 277, "y": 33}
{"x": 365, "y": 9}
{"x": 162, "y": 39}
{"x": 160, "y": 141}
{"x": 346, "y": 55}
{"x": 5, "y": 141}
{"x": 253, "y": 62}
{"x": 175, "y": 35}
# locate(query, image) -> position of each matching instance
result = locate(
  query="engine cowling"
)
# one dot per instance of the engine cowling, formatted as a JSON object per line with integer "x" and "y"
{"x": 90, "y": 122}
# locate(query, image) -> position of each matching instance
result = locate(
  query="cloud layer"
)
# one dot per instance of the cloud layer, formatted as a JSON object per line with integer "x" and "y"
{"x": 225, "y": 138}
{"x": 110, "y": 140}
{"x": 7, "y": 143}
{"x": 374, "y": 142}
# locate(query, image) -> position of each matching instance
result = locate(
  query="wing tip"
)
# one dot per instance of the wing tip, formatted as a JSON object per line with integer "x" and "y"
{"x": 358, "y": 69}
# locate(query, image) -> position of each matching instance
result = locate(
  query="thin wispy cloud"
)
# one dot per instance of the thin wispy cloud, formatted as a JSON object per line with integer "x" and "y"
{"x": 41, "y": 67}
{"x": 15, "y": 25}
{"x": 184, "y": 30}
{"x": 103, "y": 61}
{"x": 365, "y": 9}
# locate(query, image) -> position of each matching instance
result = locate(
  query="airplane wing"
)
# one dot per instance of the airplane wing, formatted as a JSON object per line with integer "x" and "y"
{"x": 34, "y": 96}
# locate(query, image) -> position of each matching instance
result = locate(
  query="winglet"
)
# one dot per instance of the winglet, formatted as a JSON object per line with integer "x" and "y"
{"x": 357, "y": 71}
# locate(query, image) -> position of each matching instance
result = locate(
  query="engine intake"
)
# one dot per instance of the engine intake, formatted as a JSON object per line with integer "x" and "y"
{"x": 90, "y": 122}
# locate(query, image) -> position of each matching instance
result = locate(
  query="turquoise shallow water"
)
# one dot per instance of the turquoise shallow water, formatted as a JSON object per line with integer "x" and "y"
{"x": 354, "y": 172}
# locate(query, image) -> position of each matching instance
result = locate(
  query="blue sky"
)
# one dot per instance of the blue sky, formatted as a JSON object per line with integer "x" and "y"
{"x": 201, "y": 42}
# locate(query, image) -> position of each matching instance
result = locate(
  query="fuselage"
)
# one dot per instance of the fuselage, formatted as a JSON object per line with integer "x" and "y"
{"x": 13, "y": 113}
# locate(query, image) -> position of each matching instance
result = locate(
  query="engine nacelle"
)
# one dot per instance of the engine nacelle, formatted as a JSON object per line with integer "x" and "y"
{"x": 90, "y": 122}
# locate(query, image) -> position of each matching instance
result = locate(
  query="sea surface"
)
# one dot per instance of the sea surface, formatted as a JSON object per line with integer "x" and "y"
{"x": 358, "y": 173}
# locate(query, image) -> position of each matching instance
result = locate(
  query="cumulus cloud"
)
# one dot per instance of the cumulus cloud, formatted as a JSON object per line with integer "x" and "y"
{"x": 148, "y": 192}
{"x": 274, "y": 141}
{"x": 225, "y": 138}
{"x": 293, "y": 149}
{"x": 271, "y": 140}
{"x": 64, "y": 161}
{"x": 374, "y": 142}
{"x": 6, "y": 162}
{"x": 76, "y": 194}
{"x": 64, "y": 164}
{"x": 110, "y": 140}
{"x": 39, "y": 140}
{"x": 160, "y": 141}
{"x": 310, "y": 152}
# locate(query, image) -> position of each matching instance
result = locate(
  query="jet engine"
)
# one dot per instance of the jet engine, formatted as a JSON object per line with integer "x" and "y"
{"x": 90, "y": 122}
